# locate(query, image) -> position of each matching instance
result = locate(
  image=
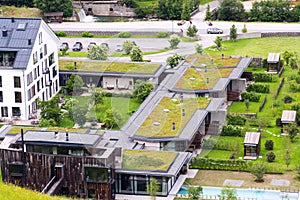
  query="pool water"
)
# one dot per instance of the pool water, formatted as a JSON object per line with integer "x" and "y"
{"x": 248, "y": 193}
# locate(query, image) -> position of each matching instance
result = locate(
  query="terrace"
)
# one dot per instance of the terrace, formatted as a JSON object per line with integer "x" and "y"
{"x": 148, "y": 160}
{"x": 117, "y": 67}
{"x": 170, "y": 116}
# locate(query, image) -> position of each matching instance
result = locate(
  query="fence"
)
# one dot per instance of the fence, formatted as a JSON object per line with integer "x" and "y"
{"x": 279, "y": 88}
{"x": 262, "y": 104}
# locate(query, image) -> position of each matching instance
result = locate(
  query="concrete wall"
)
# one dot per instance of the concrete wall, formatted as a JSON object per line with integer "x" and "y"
{"x": 244, "y": 35}
{"x": 239, "y": 85}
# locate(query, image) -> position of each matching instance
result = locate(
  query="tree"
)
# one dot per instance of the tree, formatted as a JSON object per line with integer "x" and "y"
{"x": 186, "y": 11}
{"x": 136, "y": 54}
{"x": 233, "y": 33}
{"x": 231, "y": 10}
{"x": 174, "y": 41}
{"x": 287, "y": 158}
{"x": 194, "y": 193}
{"x": 127, "y": 46}
{"x": 199, "y": 49}
{"x": 50, "y": 111}
{"x": 292, "y": 130}
{"x": 258, "y": 170}
{"x": 79, "y": 114}
{"x": 269, "y": 144}
{"x": 174, "y": 60}
{"x": 228, "y": 194}
{"x": 218, "y": 42}
{"x": 208, "y": 15}
{"x": 142, "y": 89}
{"x": 98, "y": 52}
{"x": 152, "y": 188}
{"x": 64, "y": 6}
{"x": 111, "y": 119}
{"x": 286, "y": 56}
{"x": 74, "y": 84}
{"x": 192, "y": 31}
{"x": 169, "y": 9}
{"x": 47, "y": 123}
{"x": 98, "y": 97}
{"x": 247, "y": 104}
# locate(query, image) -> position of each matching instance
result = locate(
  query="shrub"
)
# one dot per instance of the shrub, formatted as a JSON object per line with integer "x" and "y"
{"x": 136, "y": 54}
{"x": 174, "y": 41}
{"x": 278, "y": 122}
{"x": 244, "y": 29}
{"x": 174, "y": 60}
{"x": 209, "y": 143}
{"x": 60, "y": 34}
{"x": 98, "y": 52}
{"x": 259, "y": 88}
{"x": 87, "y": 34}
{"x": 287, "y": 99}
{"x": 294, "y": 86}
{"x": 265, "y": 63}
{"x": 270, "y": 157}
{"x": 124, "y": 34}
{"x": 199, "y": 48}
{"x": 162, "y": 34}
{"x": 251, "y": 96}
{"x": 230, "y": 130}
{"x": 269, "y": 144}
{"x": 236, "y": 119}
{"x": 262, "y": 77}
{"x": 127, "y": 46}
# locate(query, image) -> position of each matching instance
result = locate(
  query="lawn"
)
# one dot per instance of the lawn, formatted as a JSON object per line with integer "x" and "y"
{"x": 201, "y": 79}
{"x": 9, "y": 11}
{"x": 148, "y": 160}
{"x": 212, "y": 61}
{"x": 97, "y": 66}
{"x": 159, "y": 122}
{"x": 147, "y": 3}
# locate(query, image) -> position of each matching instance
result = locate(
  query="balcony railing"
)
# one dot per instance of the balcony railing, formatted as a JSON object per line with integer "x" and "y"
{"x": 46, "y": 71}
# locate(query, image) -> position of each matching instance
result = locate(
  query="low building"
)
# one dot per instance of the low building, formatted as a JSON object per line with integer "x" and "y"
{"x": 273, "y": 62}
{"x": 252, "y": 145}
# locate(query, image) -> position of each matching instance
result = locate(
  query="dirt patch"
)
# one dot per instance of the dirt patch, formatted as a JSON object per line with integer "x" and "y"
{"x": 217, "y": 178}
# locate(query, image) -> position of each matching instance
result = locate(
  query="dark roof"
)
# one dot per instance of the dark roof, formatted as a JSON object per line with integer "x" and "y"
{"x": 19, "y": 31}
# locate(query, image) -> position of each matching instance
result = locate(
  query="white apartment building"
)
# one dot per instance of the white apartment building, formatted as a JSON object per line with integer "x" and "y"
{"x": 28, "y": 66}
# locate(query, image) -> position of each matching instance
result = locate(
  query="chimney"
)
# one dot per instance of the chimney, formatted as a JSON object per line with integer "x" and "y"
{"x": 67, "y": 136}
{"x": 4, "y": 32}
{"x": 12, "y": 20}
{"x": 29, "y": 41}
{"x": 56, "y": 135}
{"x": 207, "y": 80}
{"x": 173, "y": 126}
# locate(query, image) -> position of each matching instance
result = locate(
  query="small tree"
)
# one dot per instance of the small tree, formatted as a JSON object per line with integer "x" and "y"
{"x": 47, "y": 123}
{"x": 74, "y": 84}
{"x": 127, "y": 46}
{"x": 244, "y": 29}
{"x": 228, "y": 194}
{"x": 111, "y": 119}
{"x": 297, "y": 169}
{"x": 194, "y": 193}
{"x": 174, "y": 60}
{"x": 136, "y": 54}
{"x": 152, "y": 188}
{"x": 258, "y": 170}
{"x": 270, "y": 157}
{"x": 292, "y": 130}
{"x": 218, "y": 42}
{"x": 174, "y": 41}
{"x": 142, "y": 89}
{"x": 98, "y": 98}
{"x": 247, "y": 103}
{"x": 192, "y": 31}
{"x": 199, "y": 49}
{"x": 233, "y": 33}
{"x": 208, "y": 15}
{"x": 287, "y": 158}
{"x": 79, "y": 114}
{"x": 98, "y": 52}
{"x": 269, "y": 144}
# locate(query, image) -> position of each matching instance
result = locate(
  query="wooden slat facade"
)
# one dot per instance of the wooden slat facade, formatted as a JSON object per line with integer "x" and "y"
{"x": 39, "y": 171}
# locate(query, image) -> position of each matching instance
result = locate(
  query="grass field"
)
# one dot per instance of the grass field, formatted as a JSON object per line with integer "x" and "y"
{"x": 8, "y": 11}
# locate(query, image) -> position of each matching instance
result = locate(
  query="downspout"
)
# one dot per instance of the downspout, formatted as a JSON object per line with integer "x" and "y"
{"x": 23, "y": 159}
{"x": 25, "y": 97}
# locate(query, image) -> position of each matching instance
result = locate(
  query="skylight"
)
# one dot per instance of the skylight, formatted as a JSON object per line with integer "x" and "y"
{"x": 21, "y": 26}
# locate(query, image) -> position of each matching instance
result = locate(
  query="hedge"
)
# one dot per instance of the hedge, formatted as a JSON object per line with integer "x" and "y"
{"x": 236, "y": 119}
{"x": 230, "y": 130}
{"x": 124, "y": 34}
{"x": 262, "y": 77}
{"x": 251, "y": 96}
{"x": 259, "y": 88}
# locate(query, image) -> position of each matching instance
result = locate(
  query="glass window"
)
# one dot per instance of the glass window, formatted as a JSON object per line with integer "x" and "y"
{"x": 1, "y": 96}
{"x": 16, "y": 169}
{"x": 18, "y": 97}
{"x": 17, "y": 82}
{"x": 35, "y": 58}
{"x": 0, "y": 81}
{"x": 41, "y": 53}
{"x": 126, "y": 184}
{"x": 141, "y": 185}
{"x": 4, "y": 111}
{"x": 16, "y": 112}
{"x": 45, "y": 49}
{"x": 51, "y": 59}
{"x": 29, "y": 78}
{"x": 35, "y": 73}
{"x": 96, "y": 174}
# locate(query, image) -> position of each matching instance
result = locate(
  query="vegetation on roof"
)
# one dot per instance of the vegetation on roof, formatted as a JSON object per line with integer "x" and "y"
{"x": 70, "y": 130}
{"x": 17, "y": 129}
{"x": 212, "y": 60}
{"x": 148, "y": 160}
{"x": 97, "y": 66}
{"x": 159, "y": 122}
{"x": 198, "y": 79}
{"x": 8, "y": 11}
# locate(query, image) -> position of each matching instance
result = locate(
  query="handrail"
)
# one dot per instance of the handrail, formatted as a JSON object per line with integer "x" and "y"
{"x": 49, "y": 185}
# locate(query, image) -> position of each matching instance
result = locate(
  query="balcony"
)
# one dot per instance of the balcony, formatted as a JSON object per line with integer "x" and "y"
{"x": 49, "y": 83}
{"x": 46, "y": 71}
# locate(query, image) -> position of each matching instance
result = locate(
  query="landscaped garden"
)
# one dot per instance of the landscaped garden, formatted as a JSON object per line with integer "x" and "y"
{"x": 168, "y": 112}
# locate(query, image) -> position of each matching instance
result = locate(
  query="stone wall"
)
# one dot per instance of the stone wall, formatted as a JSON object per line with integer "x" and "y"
{"x": 280, "y": 34}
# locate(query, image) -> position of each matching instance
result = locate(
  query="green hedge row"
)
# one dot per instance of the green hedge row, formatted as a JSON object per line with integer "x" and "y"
{"x": 236, "y": 119}
{"x": 259, "y": 88}
{"x": 205, "y": 163}
{"x": 262, "y": 77}
{"x": 251, "y": 96}
{"x": 230, "y": 130}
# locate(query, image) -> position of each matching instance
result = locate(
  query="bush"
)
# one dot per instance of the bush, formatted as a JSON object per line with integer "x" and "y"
{"x": 262, "y": 77}
{"x": 98, "y": 52}
{"x": 236, "y": 119}
{"x": 127, "y": 46}
{"x": 287, "y": 99}
{"x": 259, "y": 88}
{"x": 60, "y": 34}
{"x": 269, "y": 144}
{"x": 294, "y": 86}
{"x": 251, "y": 96}
{"x": 87, "y": 34}
{"x": 209, "y": 143}
{"x": 162, "y": 34}
{"x": 199, "y": 48}
{"x": 174, "y": 60}
{"x": 270, "y": 156}
{"x": 278, "y": 122}
{"x": 174, "y": 41}
{"x": 124, "y": 34}
{"x": 230, "y": 130}
{"x": 244, "y": 29}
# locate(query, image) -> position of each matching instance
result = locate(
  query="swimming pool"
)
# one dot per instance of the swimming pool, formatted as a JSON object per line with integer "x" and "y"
{"x": 248, "y": 193}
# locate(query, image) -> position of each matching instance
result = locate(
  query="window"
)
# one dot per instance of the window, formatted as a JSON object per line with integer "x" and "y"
{"x": 17, "y": 82}
{"x": 38, "y": 70}
{"x": 51, "y": 59}
{"x": 31, "y": 92}
{"x": 0, "y": 81}
{"x": 40, "y": 38}
{"x": 16, "y": 112}
{"x": 41, "y": 53}
{"x": 16, "y": 169}
{"x": 18, "y": 97}
{"x": 35, "y": 73}
{"x": 7, "y": 59}
{"x": 45, "y": 49}
{"x": 38, "y": 86}
{"x": 4, "y": 111}
{"x": 35, "y": 58}
{"x": 96, "y": 174}
{"x": 54, "y": 71}
{"x": 1, "y": 96}
{"x": 29, "y": 78}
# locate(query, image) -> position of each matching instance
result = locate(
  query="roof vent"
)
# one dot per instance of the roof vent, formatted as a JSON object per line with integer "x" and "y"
{"x": 12, "y": 20}
{"x": 56, "y": 135}
{"x": 4, "y": 32}
{"x": 173, "y": 126}
{"x": 29, "y": 41}
{"x": 67, "y": 136}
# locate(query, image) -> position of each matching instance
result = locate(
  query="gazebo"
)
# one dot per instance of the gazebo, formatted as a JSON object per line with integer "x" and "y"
{"x": 273, "y": 62}
{"x": 251, "y": 145}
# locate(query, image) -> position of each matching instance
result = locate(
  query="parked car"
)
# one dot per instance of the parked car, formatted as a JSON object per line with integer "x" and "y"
{"x": 77, "y": 46}
{"x": 64, "y": 45}
{"x": 214, "y": 30}
{"x": 105, "y": 44}
{"x": 119, "y": 48}
{"x": 91, "y": 44}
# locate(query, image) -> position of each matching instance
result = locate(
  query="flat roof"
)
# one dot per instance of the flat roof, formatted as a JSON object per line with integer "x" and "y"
{"x": 288, "y": 116}
{"x": 252, "y": 138}
{"x": 273, "y": 57}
